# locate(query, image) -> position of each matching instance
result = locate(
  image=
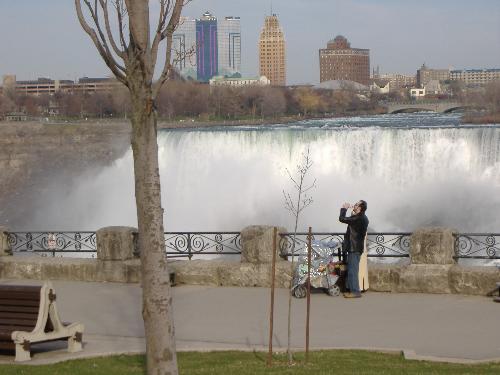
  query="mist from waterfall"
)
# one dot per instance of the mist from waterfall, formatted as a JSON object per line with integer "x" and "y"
{"x": 411, "y": 172}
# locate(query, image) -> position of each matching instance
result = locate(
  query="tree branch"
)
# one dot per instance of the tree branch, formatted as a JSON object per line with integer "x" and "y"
{"x": 108, "y": 59}
{"x": 94, "y": 13}
{"x": 104, "y": 6}
{"x": 167, "y": 34}
{"x": 120, "y": 12}
{"x": 162, "y": 19}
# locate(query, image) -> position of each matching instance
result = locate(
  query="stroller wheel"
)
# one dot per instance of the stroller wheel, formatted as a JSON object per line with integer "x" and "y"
{"x": 334, "y": 291}
{"x": 300, "y": 291}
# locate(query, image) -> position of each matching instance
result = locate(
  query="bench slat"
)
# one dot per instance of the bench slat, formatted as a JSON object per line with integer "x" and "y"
{"x": 7, "y": 345}
{"x": 21, "y": 296}
{"x": 7, "y": 330}
{"x": 20, "y": 288}
{"x": 16, "y": 322}
{"x": 14, "y": 302}
{"x": 21, "y": 309}
{"x": 17, "y": 315}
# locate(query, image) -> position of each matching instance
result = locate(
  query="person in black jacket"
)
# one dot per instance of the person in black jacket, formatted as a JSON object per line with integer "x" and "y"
{"x": 354, "y": 243}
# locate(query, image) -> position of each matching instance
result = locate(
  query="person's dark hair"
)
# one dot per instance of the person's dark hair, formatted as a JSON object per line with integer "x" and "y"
{"x": 363, "y": 205}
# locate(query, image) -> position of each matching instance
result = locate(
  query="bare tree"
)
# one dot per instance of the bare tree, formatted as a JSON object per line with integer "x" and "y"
{"x": 6, "y": 105}
{"x": 296, "y": 205}
{"x": 131, "y": 53}
{"x": 273, "y": 102}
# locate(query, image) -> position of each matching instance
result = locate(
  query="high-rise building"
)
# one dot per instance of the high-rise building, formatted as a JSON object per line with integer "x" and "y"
{"x": 229, "y": 45}
{"x": 207, "y": 57}
{"x": 341, "y": 62}
{"x": 184, "y": 48}
{"x": 207, "y": 47}
{"x": 272, "y": 51}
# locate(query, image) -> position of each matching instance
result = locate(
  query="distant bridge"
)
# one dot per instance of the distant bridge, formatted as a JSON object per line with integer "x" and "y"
{"x": 437, "y": 106}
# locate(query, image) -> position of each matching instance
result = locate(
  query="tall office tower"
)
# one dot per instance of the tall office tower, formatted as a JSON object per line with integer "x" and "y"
{"x": 341, "y": 62}
{"x": 229, "y": 43}
{"x": 272, "y": 52}
{"x": 184, "y": 48}
{"x": 206, "y": 46}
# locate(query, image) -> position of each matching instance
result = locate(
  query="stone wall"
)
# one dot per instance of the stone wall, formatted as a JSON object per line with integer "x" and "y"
{"x": 420, "y": 278}
{"x": 116, "y": 263}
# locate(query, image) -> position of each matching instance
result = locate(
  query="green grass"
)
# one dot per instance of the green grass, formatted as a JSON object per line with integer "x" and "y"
{"x": 244, "y": 363}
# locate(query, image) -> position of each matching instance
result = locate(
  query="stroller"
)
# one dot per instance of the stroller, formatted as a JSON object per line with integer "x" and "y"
{"x": 326, "y": 273}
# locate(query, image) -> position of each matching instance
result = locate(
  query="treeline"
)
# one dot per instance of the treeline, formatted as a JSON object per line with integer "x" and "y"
{"x": 489, "y": 100}
{"x": 489, "y": 97}
{"x": 194, "y": 100}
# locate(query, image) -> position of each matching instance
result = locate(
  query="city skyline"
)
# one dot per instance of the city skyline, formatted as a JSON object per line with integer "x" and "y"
{"x": 457, "y": 34}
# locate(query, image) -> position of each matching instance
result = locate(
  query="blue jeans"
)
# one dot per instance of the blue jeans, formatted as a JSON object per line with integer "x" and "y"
{"x": 353, "y": 272}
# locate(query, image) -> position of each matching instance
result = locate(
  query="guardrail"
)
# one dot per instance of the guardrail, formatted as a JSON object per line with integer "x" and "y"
{"x": 54, "y": 243}
{"x": 477, "y": 246}
{"x": 190, "y": 244}
{"x": 379, "y": 245}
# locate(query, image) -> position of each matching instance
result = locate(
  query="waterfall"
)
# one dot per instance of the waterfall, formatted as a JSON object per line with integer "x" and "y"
{"x": 226, "y": 179}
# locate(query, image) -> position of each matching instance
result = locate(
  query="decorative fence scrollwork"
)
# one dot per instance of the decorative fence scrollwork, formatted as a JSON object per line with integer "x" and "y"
{"x": 183, "y": 244}
{"x": 286, "y": 243}
{"x": 388, "y": 245}
{"x": 189, "y": 244}
{"x": 477, "y": 246}
{"x": 379, "y": 245}
{"x": 53, "y": 243}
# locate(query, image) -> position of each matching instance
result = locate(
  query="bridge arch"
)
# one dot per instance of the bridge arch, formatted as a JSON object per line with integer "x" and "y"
{"x": 411, "y": 109}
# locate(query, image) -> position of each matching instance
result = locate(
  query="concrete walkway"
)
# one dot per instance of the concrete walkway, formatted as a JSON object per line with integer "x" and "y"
{"x": 438, "y": 327}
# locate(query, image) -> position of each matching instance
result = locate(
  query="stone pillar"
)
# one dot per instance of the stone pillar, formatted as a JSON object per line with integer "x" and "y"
{"x": 257, "y": 243}
{"x": 115, "y": 243}
{"x": 432, "y": 246}
{"x": 4, "y": 242}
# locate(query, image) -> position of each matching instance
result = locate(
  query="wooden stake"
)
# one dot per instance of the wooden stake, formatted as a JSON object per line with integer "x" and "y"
{"x": 309, "y": 250}
{"x": 271, "y": 315}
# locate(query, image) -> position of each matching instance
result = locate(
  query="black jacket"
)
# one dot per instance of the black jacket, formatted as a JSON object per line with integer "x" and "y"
{"x": 357, "y": 225}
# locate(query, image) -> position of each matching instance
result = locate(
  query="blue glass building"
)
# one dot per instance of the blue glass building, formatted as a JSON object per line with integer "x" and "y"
{"x": 206, "y": 47}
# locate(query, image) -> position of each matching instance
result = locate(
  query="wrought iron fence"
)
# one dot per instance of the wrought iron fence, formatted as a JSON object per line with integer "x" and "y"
{"x": 388, "y": 245}
{"x": 379, "y": 245}
{"x": 477, "y": 246}
{"x": 53, "y": 243}
{"x": 291, "y": 244}
{"x": 187, "y": 245}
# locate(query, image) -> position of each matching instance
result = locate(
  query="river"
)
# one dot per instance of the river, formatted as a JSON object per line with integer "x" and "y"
{"x": 414, "y": 170}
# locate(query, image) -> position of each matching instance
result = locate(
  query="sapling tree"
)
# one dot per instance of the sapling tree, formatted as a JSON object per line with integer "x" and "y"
{"x": 296, "y": 203}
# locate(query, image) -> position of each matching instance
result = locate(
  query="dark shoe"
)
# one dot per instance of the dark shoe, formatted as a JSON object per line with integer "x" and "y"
{"x": 352, "y": 295}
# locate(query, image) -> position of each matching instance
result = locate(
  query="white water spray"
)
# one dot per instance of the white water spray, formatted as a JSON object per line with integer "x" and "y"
{"x": 225, "y": 180}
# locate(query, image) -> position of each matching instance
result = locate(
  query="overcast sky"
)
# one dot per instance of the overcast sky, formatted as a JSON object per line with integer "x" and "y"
{"x": 42, "y": 38}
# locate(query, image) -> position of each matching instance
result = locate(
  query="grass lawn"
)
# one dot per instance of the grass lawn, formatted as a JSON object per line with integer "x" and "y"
{"x": 244, "y": 363}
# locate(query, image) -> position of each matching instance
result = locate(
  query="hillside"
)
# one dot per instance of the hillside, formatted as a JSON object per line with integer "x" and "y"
{"x": 34, "y": 154}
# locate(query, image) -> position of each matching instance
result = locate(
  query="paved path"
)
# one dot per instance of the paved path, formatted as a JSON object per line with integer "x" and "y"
{"x": 445, "y": 327}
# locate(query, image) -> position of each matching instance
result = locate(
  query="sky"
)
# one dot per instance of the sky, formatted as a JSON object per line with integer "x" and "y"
{"x": 42, "y": 38}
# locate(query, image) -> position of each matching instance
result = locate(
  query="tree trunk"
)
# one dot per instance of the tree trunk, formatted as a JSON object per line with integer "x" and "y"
{"x": 157, "y": 302}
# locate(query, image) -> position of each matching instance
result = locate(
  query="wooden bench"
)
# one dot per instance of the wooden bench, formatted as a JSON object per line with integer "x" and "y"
{"x": 28, "y": 315}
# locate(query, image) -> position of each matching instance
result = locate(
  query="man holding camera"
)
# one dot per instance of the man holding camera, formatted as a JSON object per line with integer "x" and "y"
{"x": 354, "y": 243}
